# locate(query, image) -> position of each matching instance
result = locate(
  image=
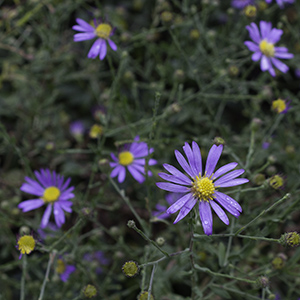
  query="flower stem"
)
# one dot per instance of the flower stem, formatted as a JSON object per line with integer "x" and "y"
{"x": 24, "y": 268}
{"x": 151, "y": 282}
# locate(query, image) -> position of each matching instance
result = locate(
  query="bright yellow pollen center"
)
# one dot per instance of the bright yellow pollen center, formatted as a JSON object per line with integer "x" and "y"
{"x": 279, "y": 105}
{"x": 267, "y": 48}
{"x": 203, "y": 188}
{"x": 96, "y": 131}
{"x": 51, "y": 194}
{"x": 26, "y": 244}
{"x": 61, "y": 266}
{"x": 126, "y": 158}
{"x": 103, "y": 31}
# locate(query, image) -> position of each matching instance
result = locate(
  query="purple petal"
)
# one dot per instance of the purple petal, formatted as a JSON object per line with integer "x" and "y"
{"x": 181, "y": 160}
{"x": 190, "y": 156}
{"x": 185, "y": 209}
{"x": 256, "y": 56}
{"x": 279, "y": 65}
{"x": 116, "y": 171}
{"x": 46, "y": 216}
{"x": 229, "y": 176}
{"x": 66, "y": 196}
{"x": 224, "y": 169}
{"x": 103, "y": 49}
{"x": 179, "y": 203}
{"x": 66, "y": 205}
{"x": 265, "y": 29}
{"x": 251, "y": 46}
{"x": 31, "y": 204}
{"x": 172, "y": 178}
{"x": 274, "y": 35}
{"x": 34, "y": 190}
{"x": 265, "y": 63}
{"x": 272, "y": 71}
{"x": 78, "y": 37}
{"x": 85, "y": 25}
{"x": 177, "y": 173}
{"x": 233, "y": 182}
{"x": 95, "y": 49}
{"x": 170, "y": 187}
{"x": 254, "y": 32}
{"x": 228, "y": 203}
{"x": 59, "y": 215}
{"x": 197, "y": 157}
{"x": 136, "y": 174}
{"x": 220, "y": 212}
{"x": 212, "y": 159}
{"x": 283, "y": 55}
{"x": 122, "y": 174}
{"x": 112, "y": 45}
{"x": 206, "y": 217}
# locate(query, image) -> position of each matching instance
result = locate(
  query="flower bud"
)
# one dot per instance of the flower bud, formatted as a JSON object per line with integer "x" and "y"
{"x": 144, "y": 296}
{"x": 290, "y": 239}
{"x": 279, "y": 261}
{"x": 131, "y": 224}
{"x": 259, "y": 179}
{"x": 262, "y": 282}
{"x": 218, "y": 141}
{"x": 130, "y": 268}
{"x": 160, "y": 241}
{"x": 89, "y": 291}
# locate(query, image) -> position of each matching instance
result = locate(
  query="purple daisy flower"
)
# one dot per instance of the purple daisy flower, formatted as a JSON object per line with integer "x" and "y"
{"x": 77, "y": 129}
{"x": 103, "y": 31}
{"x": 281, "y": 2}
{"x": 281, "y": 106}
{"x": 241, "y": 4}
{"x": 52, "y": 191}
{"x": 132, "y": 157}
{"x": 64, "y": 270}
{"x": 203, "y": 186}
{"x": 264, "y": 49}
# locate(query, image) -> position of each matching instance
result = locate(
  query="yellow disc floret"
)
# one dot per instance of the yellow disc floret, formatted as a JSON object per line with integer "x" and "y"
{"x": 103, "y": 30}
{"x": 279, "y": 105}
{"x": 267, "y": 48}
{"x": 203, "y": 188}
{"x": 60, "y": 267}
{"x": 26, "y": 244}
{"x": 51, "y": 194}
{"x": 126, "y": 158}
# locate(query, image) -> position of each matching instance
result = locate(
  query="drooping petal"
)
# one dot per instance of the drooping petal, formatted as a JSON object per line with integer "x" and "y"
{"x": 170, "y": 187}
{"x": 185, "y": 209}
{"x": 220, "y": 212}
{"x": 233, "y": 182}
{"x": 31, "y": 204}
{"x": 179, "y": 203}
{"x": 46, "y": 216}
{"x": 229, "y": 176}
{"x": 136, "y": 174}
{"x": 103, "y": 49}
{"x": 122, "y": 174}
{"x": 206, "y": 217}
{"x": 112, "y": 45}
{"x": 116, "y": 171}
{"x": 177, "y": 173}
{"x": 224, "y": 169}
{"x": 212, "y": 159}
{"x": 95, "y": 49}
{"x": 181, "y": 160}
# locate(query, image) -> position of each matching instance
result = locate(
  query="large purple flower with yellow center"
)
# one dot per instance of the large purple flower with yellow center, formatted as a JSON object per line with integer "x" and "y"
{"x": 264, "y": 49}
{"x": 103, "y": 31}
{"x": 52, "y": 192}
{"x": 132, "y": 157}
{"x": 281, "y": 2}
{"x": 202, "y": 187}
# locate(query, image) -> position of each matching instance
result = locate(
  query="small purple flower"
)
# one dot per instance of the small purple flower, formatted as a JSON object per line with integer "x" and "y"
{"x": 281, "y": 106}
{"x": 281, "y": 2}
{"x": 160, "y": 211}
{"x": 264, "y": 49}
{"x": 132, "y": 157}
{"x": 64, "y": 270}
{"x": 52, "y": 191}
{"x": 297, "y": 73}
{"x": 97, "y": 258}
{"x": 203, "y": 186}
{"x": 77, "y": 129}
{"x": 266, "y": 145}
{"x": 241, "y": 4}
{"x": 103, "y": 31}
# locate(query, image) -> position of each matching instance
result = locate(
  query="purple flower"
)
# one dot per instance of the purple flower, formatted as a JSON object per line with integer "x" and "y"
{"x": 160, "y": 211}
{"x": 264, "y": 49}
{"x": 203, "y": 186}
{"x": 281, "y": 2}
{"x": 103, "y": 31}
{"x": 52, "y": 191}
{"x": 132, "y": 157}
{"x": 77, "y": 129}
{"x": 297, "y": 73}
{"x": 98, "y": 258}
{"x": 64, "y": 270}
{"x": 240, "y": 4}
{"x": 281, "y": 106}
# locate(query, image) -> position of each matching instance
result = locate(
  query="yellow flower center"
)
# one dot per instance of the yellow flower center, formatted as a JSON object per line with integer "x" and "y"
{"x": 126, "y": 158}
{"x": 203, "y": 188}
{"x": 130, "y": 268}
{"x": 51, "y": 194}
{"x": 60, "y": 267}
{"x": 267, "y": 48}
{"x": 90, "y": 291}
{"x": 250, "y": 11}
{"x": 279, "y": 105}
{"x": 96, "y": 131}
{"x": 26, "y": 244}
{"x": 103, "y": 30}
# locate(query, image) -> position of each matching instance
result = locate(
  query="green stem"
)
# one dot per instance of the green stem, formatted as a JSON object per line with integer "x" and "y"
{"x": 151, "y": 282}
{"x": 140, "y": 232}
{"x": 24, "y": 268}
{"x": 206, "y": 270}
{"x": 263, "y": 212}
{"x": 46, "y": 278}
{"x": 251, "y": 149}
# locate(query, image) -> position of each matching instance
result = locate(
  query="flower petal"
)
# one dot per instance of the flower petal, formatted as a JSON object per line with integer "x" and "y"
{"x": 206, "y": 217}
{"x": 212, "y": 159}
{"x": 95, "y": 49}
{"x": 279, "y": 65}
{"x": 220, "y": 212}
{"x": 31, "y": 204}
{"x": 46, "y": 216}
{"x": 181, "y": 160}
{"x": 256, "y": 56}
{"x": 103, "y": 49}
{"x": 197, "y": 158}
{"x": 185, "y": 209}
{"x": 190, "y": 156}
{"x": 251, "y": 46}
{"x": 224, "y": 169}
{"x": 59, "y": 215}
{"x": 228, "y": 203}
{"x": 229, "y": 176}
{"x": 112, "y": 45}
{"x": 254, "y": 32}
{"x": 179, "y": 203}
{"x": 170, "y": 187}
{"x": 177, "y": 173}
{"x": 233, "y": 182}
{"x": 79, "y": 37}
{"x": 136, "y": 174}
{"x": 265, "y": 63}
{"x": 172, "y": 178}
